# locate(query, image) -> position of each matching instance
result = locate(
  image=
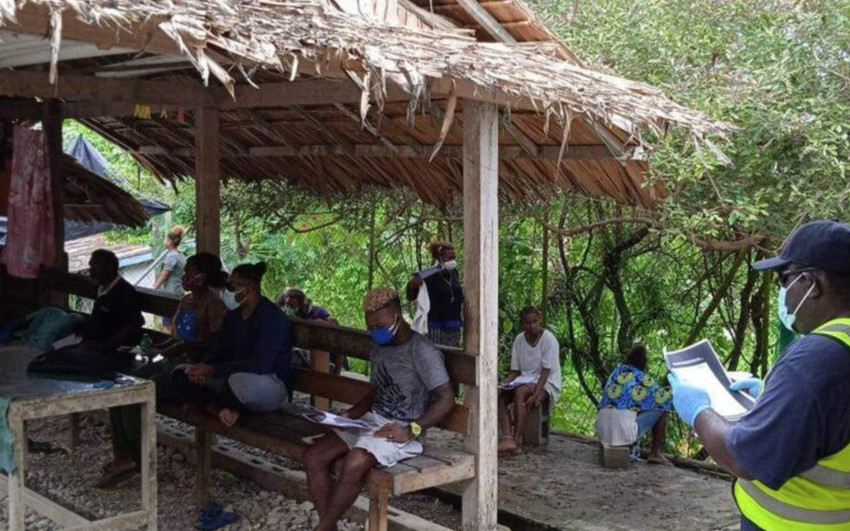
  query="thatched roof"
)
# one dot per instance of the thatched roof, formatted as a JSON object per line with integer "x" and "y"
{"x": 557, "y": 106}
{"x": 90, "y": 198}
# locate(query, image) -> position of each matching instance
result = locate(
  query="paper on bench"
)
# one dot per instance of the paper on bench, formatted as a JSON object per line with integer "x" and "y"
{"x": 327, "y": 418}
{"x": 699, "y": 365}
{"x": 516, "y": 382}
{"x": 67, "y": 341}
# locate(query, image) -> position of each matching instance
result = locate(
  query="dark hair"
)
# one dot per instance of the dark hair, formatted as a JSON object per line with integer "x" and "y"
{"x": 527, "y": 310}
{"x": 437, "y": 248}
{"x": 209, "y": 265}
{"x": 107, "y": 257}
{"x": 252, "y": 272}
{"x": 295, "y": 293}
{"x": 636, "y": 357}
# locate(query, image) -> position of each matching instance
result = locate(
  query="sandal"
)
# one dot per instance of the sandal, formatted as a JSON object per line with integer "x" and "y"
{"x": 212, "y": 517}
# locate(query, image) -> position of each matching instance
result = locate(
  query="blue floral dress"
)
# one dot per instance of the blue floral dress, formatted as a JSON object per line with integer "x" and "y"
{"x": 629, "y": 388}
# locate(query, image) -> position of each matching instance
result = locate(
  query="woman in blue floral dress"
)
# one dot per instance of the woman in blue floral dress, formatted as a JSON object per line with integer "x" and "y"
{"x": 632, "y": 404}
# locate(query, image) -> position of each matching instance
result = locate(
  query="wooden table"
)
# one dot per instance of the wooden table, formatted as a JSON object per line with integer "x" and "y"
{"x": 35, "y": 396}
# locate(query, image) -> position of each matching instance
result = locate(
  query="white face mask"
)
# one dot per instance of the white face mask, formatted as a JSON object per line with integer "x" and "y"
{"x": 789, "y": 318}
{"x": 450, "y": 265}
{"x": 229, "y": 299}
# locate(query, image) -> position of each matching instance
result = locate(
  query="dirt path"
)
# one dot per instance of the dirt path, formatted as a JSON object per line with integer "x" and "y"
{"x": 563, "y": 487}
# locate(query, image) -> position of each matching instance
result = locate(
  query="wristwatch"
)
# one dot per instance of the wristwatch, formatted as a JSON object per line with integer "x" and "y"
{"x": 416, "y": 429}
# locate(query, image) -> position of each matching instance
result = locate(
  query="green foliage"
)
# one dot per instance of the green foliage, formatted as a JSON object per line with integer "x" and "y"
{"x": 778, "y": 69}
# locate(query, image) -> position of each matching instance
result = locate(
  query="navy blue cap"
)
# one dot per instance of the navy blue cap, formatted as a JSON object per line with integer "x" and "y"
{"x": 823, "y": 245}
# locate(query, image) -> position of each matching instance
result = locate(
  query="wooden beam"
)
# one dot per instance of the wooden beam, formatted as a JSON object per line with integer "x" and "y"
{"x": 598, "y": 152}
{"x": 310, "y": 92}
{"x": 486, "y": 20}
{"x": 208, "y": 180}
{"x": 34, "y": 19}
{"x": 527, "y": 144}
{"x": 366, "y": 125}
{"x": 481, "y": 305}
{"x": 89, "y": 88}
{"x": 52, "y": 125}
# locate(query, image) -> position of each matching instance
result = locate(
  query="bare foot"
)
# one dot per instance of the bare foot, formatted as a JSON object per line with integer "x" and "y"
{"x": 228, "y": 417}
{"x": 658, "y": 459}
{"x": 507, "y": 445}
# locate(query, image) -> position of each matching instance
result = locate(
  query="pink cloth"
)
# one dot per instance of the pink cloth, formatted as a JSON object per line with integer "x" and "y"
{"x": 30, "y": 235}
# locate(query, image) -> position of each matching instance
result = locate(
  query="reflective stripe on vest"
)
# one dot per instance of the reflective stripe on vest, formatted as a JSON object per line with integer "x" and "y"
{"x": 790, "y": 512}
{"x": 818, "y": 499}
{"x": 828, "y": 476}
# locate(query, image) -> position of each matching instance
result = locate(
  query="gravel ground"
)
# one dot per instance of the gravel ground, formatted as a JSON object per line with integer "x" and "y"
{"x": 69, "y": 479}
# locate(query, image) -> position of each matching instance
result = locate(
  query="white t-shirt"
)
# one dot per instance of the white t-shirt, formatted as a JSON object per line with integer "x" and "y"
{"x": 530, "y": 361}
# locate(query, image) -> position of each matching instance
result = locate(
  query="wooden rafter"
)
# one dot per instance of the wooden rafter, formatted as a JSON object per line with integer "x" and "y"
{"x": 381, "y": 151}
{"x": 486, "y": 20}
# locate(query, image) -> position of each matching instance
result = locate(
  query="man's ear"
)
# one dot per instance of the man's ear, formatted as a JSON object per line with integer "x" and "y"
{"x": 819, "y": 281}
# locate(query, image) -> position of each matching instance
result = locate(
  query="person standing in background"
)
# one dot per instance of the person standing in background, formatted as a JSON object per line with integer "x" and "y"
{"x": 441, "y": 304}
{"x": 170, "y": 279}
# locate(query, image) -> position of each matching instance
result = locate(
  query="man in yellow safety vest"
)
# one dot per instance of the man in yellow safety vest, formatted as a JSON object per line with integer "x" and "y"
{"x": 791, "y": 452}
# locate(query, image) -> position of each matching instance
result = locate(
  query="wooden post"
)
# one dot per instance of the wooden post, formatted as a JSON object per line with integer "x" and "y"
{"x": 208, "y": 180}
{"x": 320, "y": 361}
{"x": 17, "y": 484}
{"x": 481, "y": 274}
{"x": 148, "y": 430}
{"x": 52, "y": 125}
{"x": 544, "y": 301}
{"x": 203, "y": 445}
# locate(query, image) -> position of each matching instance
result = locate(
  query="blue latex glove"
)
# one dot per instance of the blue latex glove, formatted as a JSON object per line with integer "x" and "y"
{"x": 753, "y": 386}
{"x": 688, "y": 399}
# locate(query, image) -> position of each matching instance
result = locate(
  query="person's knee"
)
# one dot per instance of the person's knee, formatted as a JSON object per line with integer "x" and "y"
{"x": 256, "y": 392}
{"x": 357, "y": 463}
{"x": 521, "y": 394}
{"x": 316, "y": 457}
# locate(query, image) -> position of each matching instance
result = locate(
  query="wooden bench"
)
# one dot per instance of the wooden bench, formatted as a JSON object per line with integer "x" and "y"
{"x": 284, "y": 434}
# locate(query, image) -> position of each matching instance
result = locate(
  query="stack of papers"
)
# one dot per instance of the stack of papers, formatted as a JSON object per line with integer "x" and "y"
{"x": 327, "y": 418}
{"x": 516, "y": 382}
{"x": 699, "y": 366}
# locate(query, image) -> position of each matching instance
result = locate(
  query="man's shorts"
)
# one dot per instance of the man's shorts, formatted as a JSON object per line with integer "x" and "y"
{"x": 387, "y": 453}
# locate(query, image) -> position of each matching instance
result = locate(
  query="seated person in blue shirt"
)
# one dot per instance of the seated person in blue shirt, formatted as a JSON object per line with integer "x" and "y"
{"x": 251, "y": 367}
{"x": 791, "y": 452}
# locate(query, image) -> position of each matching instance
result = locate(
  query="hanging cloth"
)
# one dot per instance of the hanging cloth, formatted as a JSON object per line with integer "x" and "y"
{"x": 423, "y": 301}
{"x": 30, "y": 237}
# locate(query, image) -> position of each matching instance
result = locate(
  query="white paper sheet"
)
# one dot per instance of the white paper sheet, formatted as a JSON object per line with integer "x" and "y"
{"x": 519, "y": 380}
{"x": 699, "y": 365}
{"x": 327, "y": 418}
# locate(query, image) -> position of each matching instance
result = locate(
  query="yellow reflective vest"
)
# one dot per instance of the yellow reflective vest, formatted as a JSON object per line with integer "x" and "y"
{"x": 816, "y": 500}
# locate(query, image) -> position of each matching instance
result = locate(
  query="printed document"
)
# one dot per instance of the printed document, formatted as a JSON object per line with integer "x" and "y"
{"x": 516, "y": 382}
{"x": 327, "y": 418}
{"x": 699, "y": 365}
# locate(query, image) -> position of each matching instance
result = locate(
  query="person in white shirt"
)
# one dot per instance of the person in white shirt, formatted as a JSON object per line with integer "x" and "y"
{"x": 535, "y": 361}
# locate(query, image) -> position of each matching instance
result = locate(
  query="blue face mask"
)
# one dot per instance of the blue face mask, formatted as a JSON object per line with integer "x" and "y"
{"x": 789, "y": 318}
{"x": 384, "y": 336}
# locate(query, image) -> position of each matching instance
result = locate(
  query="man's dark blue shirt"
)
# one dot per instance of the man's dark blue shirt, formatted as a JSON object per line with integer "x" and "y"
{"x": 802, "y": 416}
{"x": 260, "y": 344}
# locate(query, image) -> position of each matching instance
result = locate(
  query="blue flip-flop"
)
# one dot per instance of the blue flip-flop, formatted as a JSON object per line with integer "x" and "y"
{"x": 211, "y": 523}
